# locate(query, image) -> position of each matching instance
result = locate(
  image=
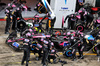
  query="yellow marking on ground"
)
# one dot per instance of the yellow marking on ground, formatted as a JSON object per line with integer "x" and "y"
{"x": 61, "y": 53}
{"x": 24, "y": 62}
{"x": 32, "y": 53}
{"x": 83, "y": 53}
{"x": 18, "y": 62}
{"x": 86, "y": 53}
{"x": 13, "y": 55}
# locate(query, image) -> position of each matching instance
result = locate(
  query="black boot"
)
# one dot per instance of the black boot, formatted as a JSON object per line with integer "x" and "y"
{"x": 44, "y": 65}
{"x": 26, "y": 63}
{"x": 22, "y": 62}
{"x": 74, "y": 58}
{"x": 80, "y": 56}
{"x": 6, "y": 32}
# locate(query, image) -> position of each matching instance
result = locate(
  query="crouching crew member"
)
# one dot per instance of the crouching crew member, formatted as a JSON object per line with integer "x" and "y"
{"x": 78, "y": 45}
{"x": 97, "y": 47}
{"x": 36, "y": 24}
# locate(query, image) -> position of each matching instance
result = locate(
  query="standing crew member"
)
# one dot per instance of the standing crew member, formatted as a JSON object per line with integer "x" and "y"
{"x": 8, "y": 20}
{"x": 79, "y": 4}
{"x": 16, "y": 14}
{"x": 27, "y": 46}
{"x": 46, "y": 49}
